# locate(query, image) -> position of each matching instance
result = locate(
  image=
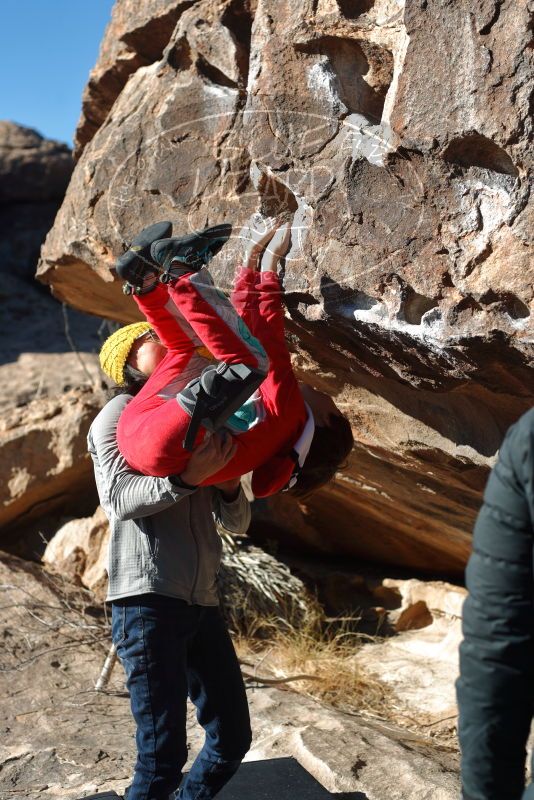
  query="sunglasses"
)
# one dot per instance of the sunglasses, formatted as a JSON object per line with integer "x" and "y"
{"x": 150, "y": 336}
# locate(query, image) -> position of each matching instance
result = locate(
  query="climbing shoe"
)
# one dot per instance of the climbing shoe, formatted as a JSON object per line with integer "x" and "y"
{"x": 136, "y": 266}
{"x": 182, "y": 254}
{"x": 214, "y": 396}
{"x": 103, "y": 796}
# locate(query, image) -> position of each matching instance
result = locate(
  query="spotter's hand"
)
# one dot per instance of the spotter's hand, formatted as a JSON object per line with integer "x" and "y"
{"x": 209, "y": 457}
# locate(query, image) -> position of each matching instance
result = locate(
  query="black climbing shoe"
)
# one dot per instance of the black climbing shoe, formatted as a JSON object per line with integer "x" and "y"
{"x": 214, "y": 396}
{"x": 136, "y": 266}
{"x": 182, "y": 254}
{"x": 103, "y": 796}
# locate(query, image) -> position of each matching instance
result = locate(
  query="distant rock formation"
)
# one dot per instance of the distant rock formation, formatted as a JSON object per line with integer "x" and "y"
{"x": 398, "y": 134}
{"x": 44, "y": 463}
{"x": 34, "y": 174}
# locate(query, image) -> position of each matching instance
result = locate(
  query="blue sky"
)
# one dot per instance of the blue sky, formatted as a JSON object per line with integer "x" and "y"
{"x": 47, "y": 49}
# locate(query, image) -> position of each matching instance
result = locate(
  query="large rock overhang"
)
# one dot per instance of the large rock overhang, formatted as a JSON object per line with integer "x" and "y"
{"x": 409, "y": 285}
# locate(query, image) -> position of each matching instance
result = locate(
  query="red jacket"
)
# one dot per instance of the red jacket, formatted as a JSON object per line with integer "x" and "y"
{"x": 190, "y": 316}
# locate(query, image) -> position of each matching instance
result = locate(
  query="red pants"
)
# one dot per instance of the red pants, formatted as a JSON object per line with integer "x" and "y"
{"x": 190, "y": 316}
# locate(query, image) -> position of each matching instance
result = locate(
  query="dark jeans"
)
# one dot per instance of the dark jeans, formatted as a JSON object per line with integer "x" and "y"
{"x": 170, "y": 650}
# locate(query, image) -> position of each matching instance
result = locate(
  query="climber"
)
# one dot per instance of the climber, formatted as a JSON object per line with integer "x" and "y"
{"x": 222, "y": 388}
{"x": 222, "y": 365}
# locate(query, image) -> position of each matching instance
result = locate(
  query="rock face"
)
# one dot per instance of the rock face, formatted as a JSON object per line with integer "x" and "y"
{"x": 43, "y": 451}
{"x": 397, "y": 133}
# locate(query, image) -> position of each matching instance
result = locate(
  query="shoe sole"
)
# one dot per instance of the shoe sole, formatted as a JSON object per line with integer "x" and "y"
{"x": 133, "y": 263}
{"x": 192, "y": 251}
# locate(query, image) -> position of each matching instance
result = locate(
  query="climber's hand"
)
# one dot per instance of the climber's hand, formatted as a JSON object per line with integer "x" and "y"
{"x": 276, "y": 249}
{"x": 208, "y": 458}
{"x": 255, "y": 235}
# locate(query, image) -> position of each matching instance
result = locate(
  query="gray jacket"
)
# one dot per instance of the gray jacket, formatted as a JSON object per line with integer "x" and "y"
{"x": 163, "y": 537}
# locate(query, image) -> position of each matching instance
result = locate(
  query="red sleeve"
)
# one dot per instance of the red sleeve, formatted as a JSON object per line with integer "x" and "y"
{"x": 270, "y": 327}
{"x": 244, "y": 296}
{"x": 271, "y": 477}
{"x": 157, "y": 306}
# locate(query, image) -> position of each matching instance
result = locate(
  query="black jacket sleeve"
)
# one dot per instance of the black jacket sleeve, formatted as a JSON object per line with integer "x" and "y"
{"x": 496, "y": 684}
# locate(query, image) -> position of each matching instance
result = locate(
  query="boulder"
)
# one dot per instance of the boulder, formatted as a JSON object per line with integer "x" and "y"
{"x": 420, "y": 662}
{"x": 43, "y": 451}
{"x": 408, "y": 284}
{"x": 32, "y": 169}
{"x": 135, "y": 37}
{"x": 79, "y": 551}
{"x": 34, "y": 174}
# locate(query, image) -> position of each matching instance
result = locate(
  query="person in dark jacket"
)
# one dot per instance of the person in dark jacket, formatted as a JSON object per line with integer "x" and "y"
{"x": 496, "y": 685}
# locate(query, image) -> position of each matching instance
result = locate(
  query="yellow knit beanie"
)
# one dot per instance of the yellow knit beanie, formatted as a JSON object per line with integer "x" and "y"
{"x": 116, "y": 349}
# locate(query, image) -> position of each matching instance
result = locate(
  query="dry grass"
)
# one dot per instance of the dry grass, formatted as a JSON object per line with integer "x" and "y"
{"x": 255, "y": 586}
{"x": 315, "y": 659}
{"x": 283, "y": 637}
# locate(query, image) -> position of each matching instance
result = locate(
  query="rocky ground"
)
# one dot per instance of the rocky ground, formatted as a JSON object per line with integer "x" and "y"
{"x": 60, "y": 738}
